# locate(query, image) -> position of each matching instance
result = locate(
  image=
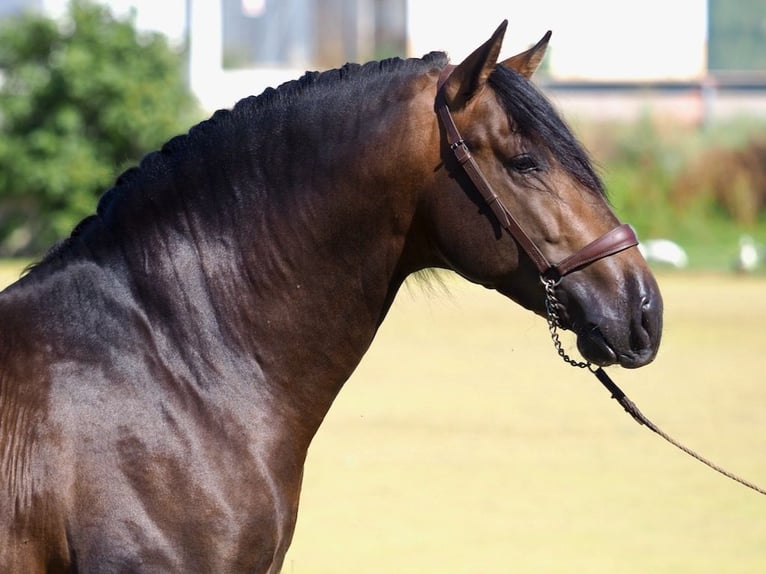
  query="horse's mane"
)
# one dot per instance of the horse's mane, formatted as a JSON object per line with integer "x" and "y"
{"x": 250, "y": 111}
{"x": 531, "y": 111}
{"x": 535, "y": 118}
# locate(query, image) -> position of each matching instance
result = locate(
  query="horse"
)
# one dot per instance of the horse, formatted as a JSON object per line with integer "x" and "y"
{"x": 164, "y": 368}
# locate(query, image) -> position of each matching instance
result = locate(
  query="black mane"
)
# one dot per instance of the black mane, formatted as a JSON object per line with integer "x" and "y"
{"x": 211, "y": 135}
{"x": 530, "y": 110}
{"x": 537, "y": 120}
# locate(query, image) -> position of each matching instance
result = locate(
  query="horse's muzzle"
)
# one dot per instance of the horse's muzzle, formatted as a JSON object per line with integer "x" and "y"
{"x": 625, "y": 330}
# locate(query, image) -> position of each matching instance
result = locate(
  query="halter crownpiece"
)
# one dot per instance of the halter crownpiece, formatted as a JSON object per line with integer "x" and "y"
{"x": 612, "y": 242}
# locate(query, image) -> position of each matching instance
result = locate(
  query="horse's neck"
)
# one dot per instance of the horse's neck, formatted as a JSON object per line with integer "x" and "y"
{"x": 304, "y": 273}
{"x": 323, "y": 275}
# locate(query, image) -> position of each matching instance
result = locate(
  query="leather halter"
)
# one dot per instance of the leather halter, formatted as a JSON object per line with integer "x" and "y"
{"x": 612, "y": 242}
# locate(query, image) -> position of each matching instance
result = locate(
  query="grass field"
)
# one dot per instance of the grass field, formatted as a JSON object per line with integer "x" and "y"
{"x": 10, "y": 271}
{"x": 463, "y": 445}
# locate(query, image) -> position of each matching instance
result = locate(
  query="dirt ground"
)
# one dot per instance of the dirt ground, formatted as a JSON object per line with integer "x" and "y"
{"x": 462, "y": 444}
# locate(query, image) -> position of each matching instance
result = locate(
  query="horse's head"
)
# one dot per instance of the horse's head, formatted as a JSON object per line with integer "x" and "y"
{"x": 549, "y": 205}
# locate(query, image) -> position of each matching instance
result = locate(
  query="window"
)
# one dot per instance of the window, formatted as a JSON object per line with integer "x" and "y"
{"x": 311, "y": 33}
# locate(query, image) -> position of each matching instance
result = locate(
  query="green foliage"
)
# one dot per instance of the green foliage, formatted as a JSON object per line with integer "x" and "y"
{"x": 639, "y": 173}
{"x": 79, "y": 102}
{"x": 701, "y": 187}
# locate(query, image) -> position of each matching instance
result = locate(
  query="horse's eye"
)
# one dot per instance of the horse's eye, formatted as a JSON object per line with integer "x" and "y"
{"x": 523, "y": 163}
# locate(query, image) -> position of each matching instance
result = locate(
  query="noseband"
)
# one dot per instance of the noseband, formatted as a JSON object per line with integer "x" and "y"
{"x": 612, "y": 242}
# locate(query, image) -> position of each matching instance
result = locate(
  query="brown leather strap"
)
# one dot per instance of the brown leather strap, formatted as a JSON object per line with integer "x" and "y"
{"x": 504, "y": 217}
{"x": 612, "y": 242}
{"x": 618, "y": 239}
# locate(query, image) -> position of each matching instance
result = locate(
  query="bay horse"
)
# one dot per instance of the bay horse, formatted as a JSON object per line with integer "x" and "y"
{"x": 164, "y": 369}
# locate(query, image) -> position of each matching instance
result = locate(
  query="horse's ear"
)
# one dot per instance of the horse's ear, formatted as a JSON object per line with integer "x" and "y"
{"x": 527, "y": 62}
{"x": 469, "y": 77}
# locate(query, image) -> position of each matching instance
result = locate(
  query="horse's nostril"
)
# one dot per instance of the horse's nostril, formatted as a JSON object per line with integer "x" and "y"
{"x": 646, "y": 303}
{"x": 651, "y": 303}
{"x": 651, "y": 319}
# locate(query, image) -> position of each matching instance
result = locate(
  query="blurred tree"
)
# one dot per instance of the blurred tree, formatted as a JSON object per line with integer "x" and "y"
{"x": 80, "y": 100}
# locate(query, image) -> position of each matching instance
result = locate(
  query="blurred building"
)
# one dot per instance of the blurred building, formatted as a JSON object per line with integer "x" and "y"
{"x": 694, "y": 59}
{"x": 243, "y": 46}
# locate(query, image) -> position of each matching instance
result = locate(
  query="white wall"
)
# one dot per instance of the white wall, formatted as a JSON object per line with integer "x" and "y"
{"x": 593, "y": 39}
{"x": 213, "y": 86}
{"x": 166, "y": 16}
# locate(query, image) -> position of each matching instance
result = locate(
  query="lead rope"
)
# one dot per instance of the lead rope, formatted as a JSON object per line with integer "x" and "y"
{"x": 551, "y": 305}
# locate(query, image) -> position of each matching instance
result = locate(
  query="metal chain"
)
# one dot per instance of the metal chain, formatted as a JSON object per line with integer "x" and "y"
{"x": 551, "y": 304}
{"x": 554, "y": 323}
